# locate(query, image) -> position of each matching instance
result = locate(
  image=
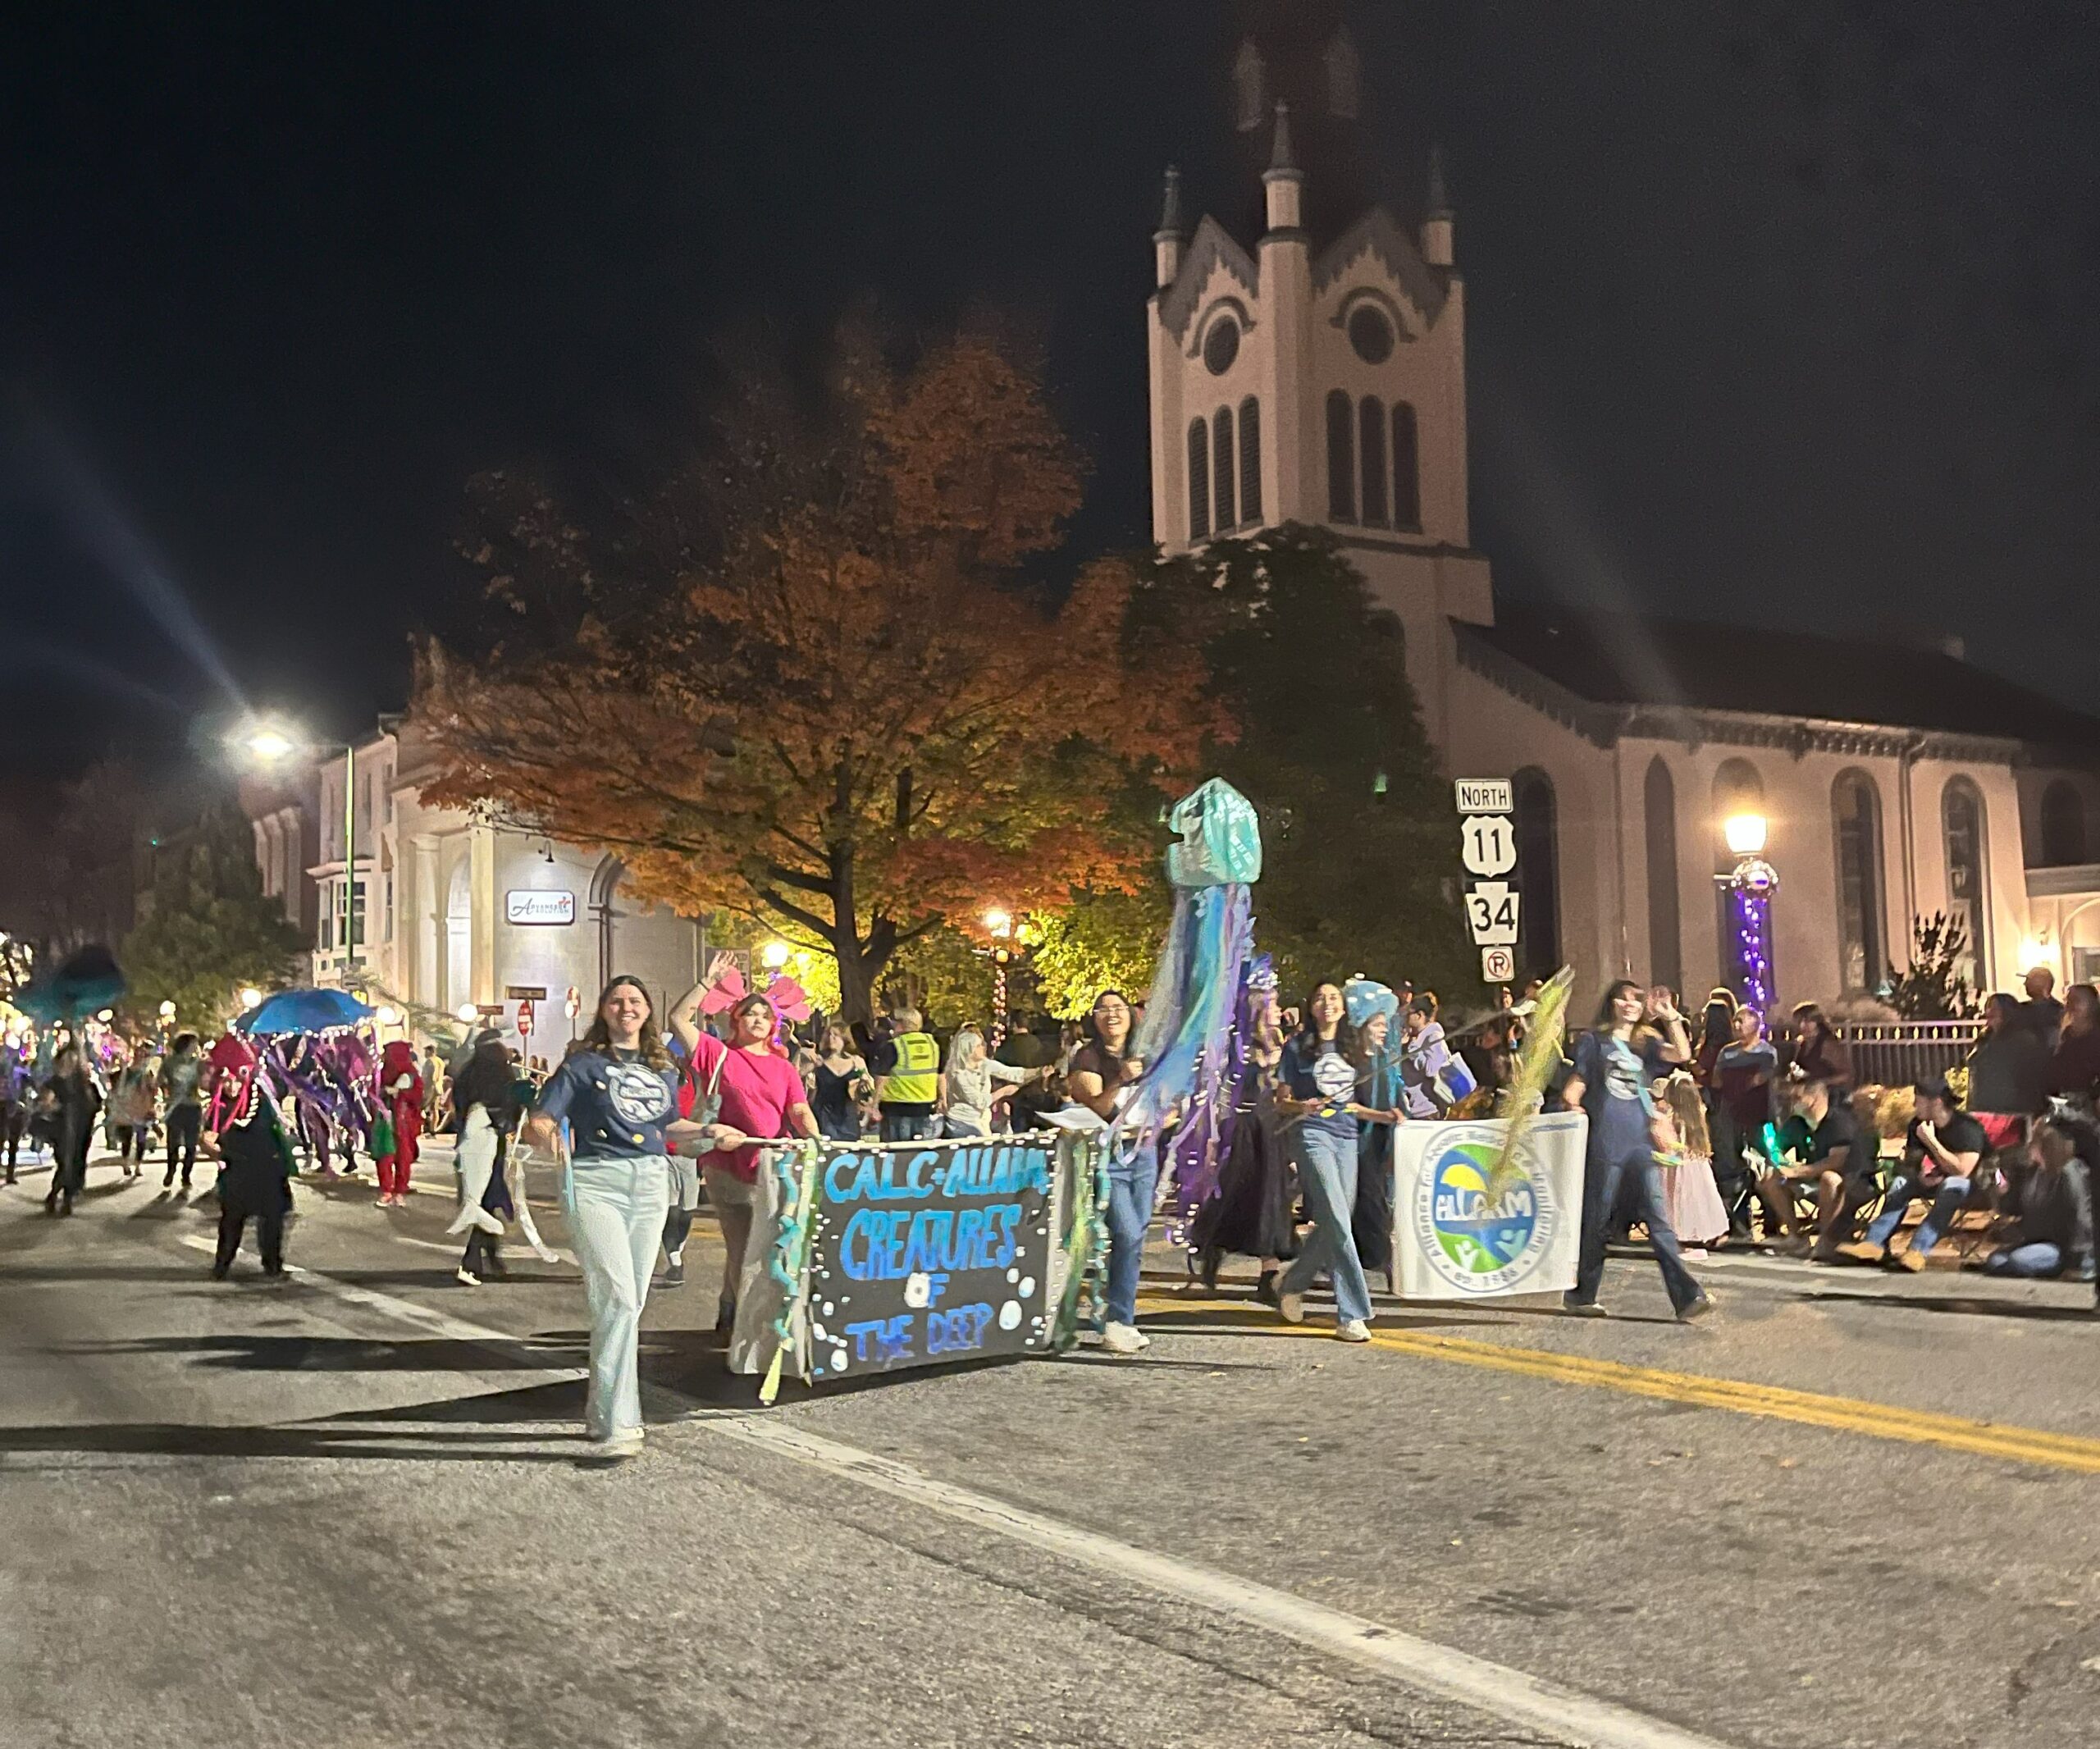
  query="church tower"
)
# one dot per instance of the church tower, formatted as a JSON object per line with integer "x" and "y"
{"x": 1317, "y": 374}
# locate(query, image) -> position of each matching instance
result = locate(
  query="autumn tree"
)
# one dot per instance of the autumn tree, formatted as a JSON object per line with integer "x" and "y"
{"x": 807, "y": 682}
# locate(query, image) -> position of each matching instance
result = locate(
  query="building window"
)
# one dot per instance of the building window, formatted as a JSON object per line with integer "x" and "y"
{"x": 2063, "y": 825}
{"x": 1538, "y": 873}
{"x": 1855, "y": 816}
{"x": 1199, "y": 479}
{"x": 1220, "y": 345}
{"x": 359, "y": 937}
{"x": 1407, "y": 468}
{"x": 1222, "y": 469}
{"x": 1371, "y": 334}
{"x": 1665, "y": 938}
{"x": 1370, "y": 421}
{"x": 1961, "y": 823}
{"x": 1341, "y": 458}
{"x": 329, "y": 898}
{"x": 1250, "y": 460}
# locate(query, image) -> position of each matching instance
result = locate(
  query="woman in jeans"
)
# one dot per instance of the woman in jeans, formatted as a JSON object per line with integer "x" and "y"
{"x": 618, "y": 1093}
{"x": 1317, "y": 1078}
{"x": 1099, "y": 1078}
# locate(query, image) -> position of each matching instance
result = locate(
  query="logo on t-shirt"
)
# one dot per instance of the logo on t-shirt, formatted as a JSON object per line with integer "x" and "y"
{"x": 1333, "y": 1075}
{"x": 638, "y": 1094}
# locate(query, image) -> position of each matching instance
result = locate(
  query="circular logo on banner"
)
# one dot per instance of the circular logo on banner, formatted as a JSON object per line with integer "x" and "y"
{"x": 1479, "y": 1248}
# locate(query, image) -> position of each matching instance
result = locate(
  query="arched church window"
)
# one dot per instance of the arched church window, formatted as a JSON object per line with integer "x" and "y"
{"x": 1341, "y": 458}
{"x": 1220, "y": 345}
{"x": 1370, "y": 421}
{"x": 1855, "y": 820}
{"x": 1199, "y": 479}
{"x": 1221, "y": 474}
{"x": 1250, "y": 460}
{"x": 1666, "y": 939}
{"x": 1371, "y": 334}
{"x": 2063, "y": 825}
{"x": 1961, "y": 823}
{"x": 1407, "y": 469}
{"x": 1538, "y": 873}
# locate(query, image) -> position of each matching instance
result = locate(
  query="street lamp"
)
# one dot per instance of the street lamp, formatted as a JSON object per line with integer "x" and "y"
{"x": 775, "y": 955}
{"x": 465, "y": 1013}
{"x": 251, "y": 997}
{"x": 1750, "y": 885}
{"x": 270, "y": 743}
{"x": 999, "y": 926}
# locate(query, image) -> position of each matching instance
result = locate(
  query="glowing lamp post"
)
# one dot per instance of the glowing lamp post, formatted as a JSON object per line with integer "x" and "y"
{"x": 268, "y": 745}
{"x": 1749, "y": 887}
{"x": 999, "y": 926}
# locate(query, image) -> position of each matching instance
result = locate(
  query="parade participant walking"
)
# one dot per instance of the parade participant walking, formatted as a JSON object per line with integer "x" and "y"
{"x": 618, "y": 1092}
{"x": 1318, "y": 1076}
{"x": 973, "y": 1085}
{"x": 131, "y": 1111}
{"x": 181, "y": 1080}
{"x": 907, "y": 1078}
{"x": 485, "y": 1108}
{"x": 14, "y": 1103}
{"x": 842, "y": 1087}
{"x": 1251, "y": 1216}
{"x": 761, "y": 1098}
{"x": 71, "y": 1102}
{"x": 1102, "y": 1071}
{"x": 245, "y": 1132}
{"x": 1615, "y": 1062}
{"x": 1370, "y": 1008}
{"x": 401, "y": 1096}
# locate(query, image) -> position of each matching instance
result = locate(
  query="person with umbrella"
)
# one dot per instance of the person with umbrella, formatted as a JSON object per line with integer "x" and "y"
{"x": 70, "y": 1104}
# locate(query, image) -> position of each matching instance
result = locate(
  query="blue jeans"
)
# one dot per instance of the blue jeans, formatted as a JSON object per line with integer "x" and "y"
{"x": 616, "y": 1210}
{"x": 1946, "y": 1204}
{"x": 2036, "y": 1260}
{"x": 1603, "y": 1176}
{"x": 906, "y": 1126}
{"x": 1132, "y": 1182}
{"x": 1326, "y": 1161}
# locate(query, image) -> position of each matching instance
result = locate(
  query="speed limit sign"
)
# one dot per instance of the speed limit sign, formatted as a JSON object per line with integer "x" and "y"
{"x": 1497, "y": 964}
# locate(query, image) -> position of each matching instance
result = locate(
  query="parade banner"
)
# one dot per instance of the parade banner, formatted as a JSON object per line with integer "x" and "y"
{"x": 904, "y": 1254}
{"x": 1458, "y": 1233}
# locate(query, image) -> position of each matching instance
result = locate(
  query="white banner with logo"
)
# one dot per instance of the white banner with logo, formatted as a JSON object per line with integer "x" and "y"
{"x": 1460, "y": 1235}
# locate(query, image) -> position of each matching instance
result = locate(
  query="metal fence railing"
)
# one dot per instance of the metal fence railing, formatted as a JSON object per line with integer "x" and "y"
{"x": 1894, "y": 1053}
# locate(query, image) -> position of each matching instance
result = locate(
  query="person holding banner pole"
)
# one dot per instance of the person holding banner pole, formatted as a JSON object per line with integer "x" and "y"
{"x": 1614, "y": 1065}
{"x": 1318, "y": 1075}
{"x": 618, "y": 1091}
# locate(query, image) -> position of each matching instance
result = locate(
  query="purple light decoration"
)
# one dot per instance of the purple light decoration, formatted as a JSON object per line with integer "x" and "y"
{"x": 1750, "y": 913}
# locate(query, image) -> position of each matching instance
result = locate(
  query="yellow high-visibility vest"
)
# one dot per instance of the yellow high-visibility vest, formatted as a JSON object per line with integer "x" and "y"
{"x": 914, "y": 1080}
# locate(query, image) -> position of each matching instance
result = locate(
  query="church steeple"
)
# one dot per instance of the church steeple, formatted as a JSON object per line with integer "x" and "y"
{"x": 1173, "y": 232}
{"x": 1437, "y": 243}
{"x": 1283, "y": 182}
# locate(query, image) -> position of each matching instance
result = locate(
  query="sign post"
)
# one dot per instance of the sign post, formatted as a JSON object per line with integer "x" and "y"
{"x": 1487, "y": 846}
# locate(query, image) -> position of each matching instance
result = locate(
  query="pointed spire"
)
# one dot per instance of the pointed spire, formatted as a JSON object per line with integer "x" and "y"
{"x": 1440, "y": 199}
{"x": 1279, "y": 156}
{"x": 1436, "y": 226}
{"x": 1171, "y": 224}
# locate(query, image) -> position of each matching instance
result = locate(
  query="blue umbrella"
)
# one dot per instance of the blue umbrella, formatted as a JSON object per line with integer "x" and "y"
{"x": 303, "y": 1011}
{"x": 87, "y": 982}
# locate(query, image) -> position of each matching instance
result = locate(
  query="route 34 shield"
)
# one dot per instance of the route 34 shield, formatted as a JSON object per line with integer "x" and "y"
{"x": 1492, "y": 908}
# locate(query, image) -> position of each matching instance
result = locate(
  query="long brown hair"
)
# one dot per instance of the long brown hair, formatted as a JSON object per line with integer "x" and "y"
{"x": 600, "y": 1036}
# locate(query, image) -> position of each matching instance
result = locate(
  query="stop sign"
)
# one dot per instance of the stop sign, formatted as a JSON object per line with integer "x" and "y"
{"x": 525, "y": 1019}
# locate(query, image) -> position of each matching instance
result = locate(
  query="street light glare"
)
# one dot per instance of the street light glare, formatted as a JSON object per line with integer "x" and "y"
{"x": 251, "y": 997}
{"x": 269, "y": 744}
{"x": 998, "y": 922}
{"x": 1745, "y": 833}
{"x": 776, "y": 954}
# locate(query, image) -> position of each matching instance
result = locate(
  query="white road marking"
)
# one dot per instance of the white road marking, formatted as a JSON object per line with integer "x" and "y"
{"x": 1567, "y": 1715}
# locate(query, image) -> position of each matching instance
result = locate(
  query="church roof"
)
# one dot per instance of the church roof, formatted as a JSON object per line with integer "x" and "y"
{"x": 1682, "y": 665}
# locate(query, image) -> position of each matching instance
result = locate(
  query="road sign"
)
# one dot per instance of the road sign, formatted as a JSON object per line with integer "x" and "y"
{"x": 1487, "y": 844}
{"x": 538, "y": 991}
{"x": 495, "y": 1008}
{"x": 1485, "y": 796}
{"x": 525, "y": 1019}
{"x": 1491, "y": 907}
{"x": 572, "y": 1005}
{"x": 1497, "y": 965}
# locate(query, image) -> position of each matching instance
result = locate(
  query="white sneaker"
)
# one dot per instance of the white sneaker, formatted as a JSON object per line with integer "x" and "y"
{"x": 1123, "y": 1339}
{"x": 466, "y": 1278}
{"x": 1352, "y": 1330}
{"x": 1291, "y": 1307}
{"x": 617, "y": 1447}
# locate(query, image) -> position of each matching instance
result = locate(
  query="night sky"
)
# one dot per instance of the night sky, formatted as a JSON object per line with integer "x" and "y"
{"x": 1780, "y": 310}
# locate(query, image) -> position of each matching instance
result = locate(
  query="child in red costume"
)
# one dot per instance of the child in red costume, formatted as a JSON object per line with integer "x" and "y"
{"x": 401, "y": 1105}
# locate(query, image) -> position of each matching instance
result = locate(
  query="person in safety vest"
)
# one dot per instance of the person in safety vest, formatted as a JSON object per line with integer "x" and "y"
{"x": 907, "y": 1071}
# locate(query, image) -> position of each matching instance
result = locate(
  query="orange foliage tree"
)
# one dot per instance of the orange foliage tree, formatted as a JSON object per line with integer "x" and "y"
{"x": 826, "y": 700}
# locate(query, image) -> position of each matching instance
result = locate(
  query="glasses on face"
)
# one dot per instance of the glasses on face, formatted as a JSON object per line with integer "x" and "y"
{"x": 1109, "y": 1010}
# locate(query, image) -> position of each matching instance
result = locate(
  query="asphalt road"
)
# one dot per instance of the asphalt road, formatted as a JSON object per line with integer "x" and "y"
{"x": 355, "y": 1510}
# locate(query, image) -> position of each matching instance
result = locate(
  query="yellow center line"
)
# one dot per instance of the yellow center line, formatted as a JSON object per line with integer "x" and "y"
{"x": 1844, "y": 1414}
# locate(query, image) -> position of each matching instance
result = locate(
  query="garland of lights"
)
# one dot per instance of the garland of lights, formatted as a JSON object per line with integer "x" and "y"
{"x": 1751, "y": 889}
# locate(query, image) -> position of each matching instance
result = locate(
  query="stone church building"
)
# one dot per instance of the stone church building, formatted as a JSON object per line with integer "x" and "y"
{"x": 1308, "y": 365}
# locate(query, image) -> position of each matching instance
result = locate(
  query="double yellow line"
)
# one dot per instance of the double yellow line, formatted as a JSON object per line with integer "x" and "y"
{"x": 1987, "y": 1439}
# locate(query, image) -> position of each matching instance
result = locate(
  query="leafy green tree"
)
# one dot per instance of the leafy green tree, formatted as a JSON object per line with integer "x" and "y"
{"x": 207, "y": 929}
{"x": 1102, "y": 941}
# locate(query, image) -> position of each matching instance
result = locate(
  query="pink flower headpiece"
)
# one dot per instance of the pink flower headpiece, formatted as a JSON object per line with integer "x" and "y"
{"x": 726, "y": 987}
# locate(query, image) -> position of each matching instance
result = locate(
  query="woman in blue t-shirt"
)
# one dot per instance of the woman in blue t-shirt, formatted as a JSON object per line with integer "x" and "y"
{"x": 619, "y": 1092}
{"x": 1614, "y": 1062}
{"x": 1317, "y": 1083}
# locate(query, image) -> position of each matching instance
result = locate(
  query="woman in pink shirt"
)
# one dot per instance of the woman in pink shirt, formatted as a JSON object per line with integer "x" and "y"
{"x": 762, "y": 1097}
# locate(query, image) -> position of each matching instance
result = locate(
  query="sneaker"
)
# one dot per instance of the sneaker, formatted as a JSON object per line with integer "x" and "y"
{"x": 675, "y": 1272}
{"x": 1697, "y": 1309}
{"x": 168, "y": 1178}
{"x": 1352, "y": 1330}
{"x": 1863, "y": 1251}
{"x": 466, "y": 1278}
{"x": 1122, "y": 1339}
{"x": 617, "y": 1448}
{"x": 1575, "y": 1308}
{"x": 1912, "y": 1259}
